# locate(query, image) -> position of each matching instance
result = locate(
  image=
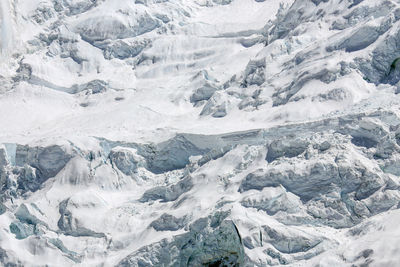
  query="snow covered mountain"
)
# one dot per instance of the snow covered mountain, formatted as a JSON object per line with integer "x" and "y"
{"x": 199, "y": 133}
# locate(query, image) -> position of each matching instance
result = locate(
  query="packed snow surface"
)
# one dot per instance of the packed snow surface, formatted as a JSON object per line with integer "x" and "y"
{"x": 199, "y": 133}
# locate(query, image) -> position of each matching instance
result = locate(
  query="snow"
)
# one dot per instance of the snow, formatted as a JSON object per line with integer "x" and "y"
{"x": 113, "y": 90}
{"x": 6, "y": 26}
{"x": 177, "y": 53}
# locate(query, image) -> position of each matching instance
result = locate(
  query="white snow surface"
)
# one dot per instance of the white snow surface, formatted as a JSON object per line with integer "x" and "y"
{"x": 185, "y": 48}
{"x": 131, "y": 131}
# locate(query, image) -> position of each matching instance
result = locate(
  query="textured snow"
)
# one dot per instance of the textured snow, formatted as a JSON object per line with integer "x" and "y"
{"x": 6, "y": 27}
{"x": 199, "y": 133}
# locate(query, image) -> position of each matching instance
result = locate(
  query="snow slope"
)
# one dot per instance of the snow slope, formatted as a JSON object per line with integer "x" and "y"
{"x": 199, "y": 133}
{"x": 6, "y": 27}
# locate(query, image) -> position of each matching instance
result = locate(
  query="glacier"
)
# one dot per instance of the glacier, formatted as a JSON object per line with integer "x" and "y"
{"x": 199, "y": 133}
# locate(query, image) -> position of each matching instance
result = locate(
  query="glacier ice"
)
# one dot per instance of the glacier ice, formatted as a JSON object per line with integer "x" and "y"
{"x": 199, "y": 133}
